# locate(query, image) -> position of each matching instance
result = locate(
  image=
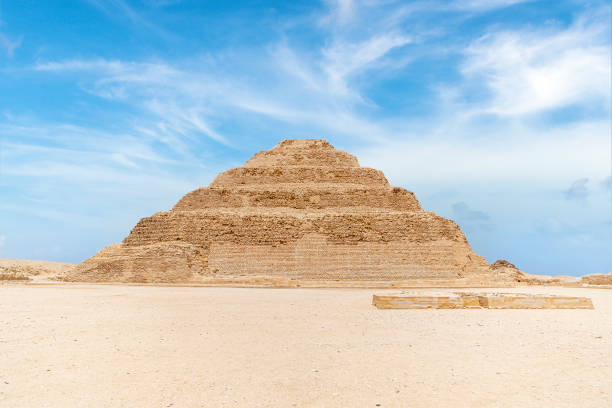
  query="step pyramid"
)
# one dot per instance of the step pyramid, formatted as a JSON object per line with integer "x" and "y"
{"x": 302, "y": 211}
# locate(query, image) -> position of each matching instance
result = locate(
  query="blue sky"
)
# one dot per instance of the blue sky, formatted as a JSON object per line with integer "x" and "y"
{"x": 496, "y": 113}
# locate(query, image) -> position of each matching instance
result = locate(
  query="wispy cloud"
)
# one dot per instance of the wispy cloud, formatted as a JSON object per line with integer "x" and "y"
{"x": 531, "y": 70}
{"x": 61, "y": 173}
{"x": 606, "y": 184}
{"x": 470, "y": 218}
{"x": 548, "y": 225}
{"x": 9, "y": 45}
{"x": 340, "y": 11}
{"x": 121, "y": 10}
{"x": 483, "y": 5}
{"x": 452, "y": 153}
{"x": 345, "y": 59}
{"x": 177, "y": 98}
{"x": 578, "y": 190}
{"x": 464, "y": 212}
{"x": 186, "y": 99}
{"x": 320, "y": 90}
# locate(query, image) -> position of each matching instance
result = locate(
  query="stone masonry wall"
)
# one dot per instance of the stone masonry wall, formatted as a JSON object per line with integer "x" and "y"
{"x": 302, "y": 210}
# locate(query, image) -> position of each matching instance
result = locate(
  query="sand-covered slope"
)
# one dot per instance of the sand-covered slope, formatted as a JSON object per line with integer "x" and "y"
{"x": 302, "y": 211}
{"x": 24, "y": 270}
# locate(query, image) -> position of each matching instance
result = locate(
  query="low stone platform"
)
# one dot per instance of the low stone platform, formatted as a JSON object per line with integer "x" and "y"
{"x": 462, "y": 300}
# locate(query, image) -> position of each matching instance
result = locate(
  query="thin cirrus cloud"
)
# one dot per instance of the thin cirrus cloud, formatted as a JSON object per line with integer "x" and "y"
{"x": 9, "y": 45}
{"x": 322, "y": 93}
{"x": 485, "y": 4}
{"x": 121, "y": 10}
{"x": 606, "y": 183}
{"x": 578, "y": 190}
{"x": 464, "y": 212}
{"x": 344, "y": 59}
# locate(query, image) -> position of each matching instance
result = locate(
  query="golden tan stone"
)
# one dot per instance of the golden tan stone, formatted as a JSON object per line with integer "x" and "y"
{"x": 523, "y": 301}
{"x": 597, "y": 279}
{"x": 27, "y": 270}
{"x": 302, "y": 211}
{"x": 462, "y": 300}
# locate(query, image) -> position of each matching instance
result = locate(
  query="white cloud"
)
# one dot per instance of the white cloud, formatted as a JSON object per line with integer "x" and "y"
{"x": 578, "y": 190}
{"x": 606, "y": 183}
{"x": 516, "y": 155}
{"x": 70, "y": 141}
{"x": 187, "y": 100}
{"x": 9, "y": 45}
{"x": 176, "y": 97}
{"x": 340, "y": 11}
{"x": 2, "y": 241}
{"x": 344, "y": 59}
{"x": 528, "y": 71}
{"x": 470, "y": 218}
{"x": 66, "y": 173}
{"x": 314, "y": 88}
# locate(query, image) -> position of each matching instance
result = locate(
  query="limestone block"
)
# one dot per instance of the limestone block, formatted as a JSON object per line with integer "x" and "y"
{"x": 523, "y": 301}
{"x": 596, "y": 279}
{"x": 462, "y": 300}
{"x": 423, "y": 301}
{"x": 303, "y": 153}
{"x": 279, "y": 175}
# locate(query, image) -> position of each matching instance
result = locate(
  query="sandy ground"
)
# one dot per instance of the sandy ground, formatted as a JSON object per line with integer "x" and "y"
{"x": 143, "y": 346}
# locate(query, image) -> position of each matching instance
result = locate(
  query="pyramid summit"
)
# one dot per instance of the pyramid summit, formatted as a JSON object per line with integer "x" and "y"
{"x": 303, "y": 212}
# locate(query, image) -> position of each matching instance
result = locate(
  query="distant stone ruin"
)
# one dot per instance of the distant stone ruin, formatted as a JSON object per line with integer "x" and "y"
{"x": 597, "y": 279}
{"x": 300, "y": 214}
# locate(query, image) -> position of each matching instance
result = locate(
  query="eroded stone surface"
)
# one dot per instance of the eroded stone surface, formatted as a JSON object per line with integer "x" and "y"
{"x": 26, "y": 270}
{"x": 597, "y": 279}
{"x": 302, "y": 211}
{"x": 462, "y": 300}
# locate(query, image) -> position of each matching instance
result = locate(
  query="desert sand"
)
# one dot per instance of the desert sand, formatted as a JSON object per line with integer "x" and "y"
{"x": 86, "y": 345}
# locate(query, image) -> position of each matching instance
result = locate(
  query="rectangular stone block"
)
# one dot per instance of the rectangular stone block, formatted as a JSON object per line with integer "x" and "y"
{"x": 522, "y": 301}
{"x": 424, "y": 301}
{"x": 461, "y": 300}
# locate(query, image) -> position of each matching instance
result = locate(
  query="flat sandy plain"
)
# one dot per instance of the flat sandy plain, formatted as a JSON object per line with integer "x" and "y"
{"x": 77, "y": 345}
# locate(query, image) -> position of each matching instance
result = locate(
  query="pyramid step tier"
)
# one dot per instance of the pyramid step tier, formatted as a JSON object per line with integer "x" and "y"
{"x": 303, "y": 197}
{"x": 312, "y": 257}
{"x": 309, "y": 258}
{"x": 256, "y": 226}
{"x": 284, "y": 158}
{"x": 315, "y": 152}
{"x": 307, "y": 175}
